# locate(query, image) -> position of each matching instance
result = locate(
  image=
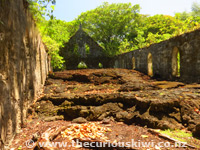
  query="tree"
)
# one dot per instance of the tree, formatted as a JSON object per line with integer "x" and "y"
{"x": 110, "y": 24}
{"x": 191, "y": 19}
{"x": 196, "y": 9}
{"x": 183, "y": 16}
{"x": 53, "y": 31}
{"x": 118, "y": 28}
{"x": 41, "y": 8}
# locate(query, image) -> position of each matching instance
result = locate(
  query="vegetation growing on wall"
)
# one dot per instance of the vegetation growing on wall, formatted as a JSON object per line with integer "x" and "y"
{"x": 53, "y": 31}
{"x": 118, "y": 28}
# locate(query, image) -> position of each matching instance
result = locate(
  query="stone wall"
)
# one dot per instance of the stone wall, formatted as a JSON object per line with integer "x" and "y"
{"x": 81, "y": 47}
{"x": 24, "y": 65}
{"x": 160, "y": 60}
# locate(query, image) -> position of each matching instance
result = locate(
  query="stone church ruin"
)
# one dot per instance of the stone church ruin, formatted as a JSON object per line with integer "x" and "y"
{"x": 82, "y": 48}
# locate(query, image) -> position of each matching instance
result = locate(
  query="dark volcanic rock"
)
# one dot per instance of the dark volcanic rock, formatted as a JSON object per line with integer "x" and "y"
{"x": 122, "y": 116}
{"x": 54, "y": 118}
{"x": 106, "y": 120}
{"x": 79, "y": 120}
{"x": 196, "y": 131}
{"x": 101, "y": 112}
{"x": 46, "y": 108}
{"x": 108, "y": 76}
{"x": 131, "y": 87}
{"x": 167, "y": 85}
{"x": 137, "y": 101}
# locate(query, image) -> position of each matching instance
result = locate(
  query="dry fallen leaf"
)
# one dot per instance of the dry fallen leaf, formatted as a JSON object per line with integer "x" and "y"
{"x": 120, "y": 123}
{"x": 144, "y": 136}
{"x": 78, "y": 146}
{"x": 86, "y": 131}
{"x": 197, "y": 110}
{"x": 157, "y": 147}
{"x": 108, "y": 125}
{"x": 115, "y": 141}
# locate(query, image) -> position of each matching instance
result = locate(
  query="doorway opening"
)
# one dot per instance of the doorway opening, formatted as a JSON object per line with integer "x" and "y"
{"x": 133, "y": 62}
{"x": 150, "y": 65}
{"x": 176, "y": 62}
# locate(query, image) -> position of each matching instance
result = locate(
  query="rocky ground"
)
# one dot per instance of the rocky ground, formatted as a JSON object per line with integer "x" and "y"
{"x": 126, "y": 101}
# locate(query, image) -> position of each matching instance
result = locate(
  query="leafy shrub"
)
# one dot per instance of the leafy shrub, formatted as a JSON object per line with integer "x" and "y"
{"x": 82, "y": 65}
{"x": 100, "y": 65}
{"x": 53, "y": 50}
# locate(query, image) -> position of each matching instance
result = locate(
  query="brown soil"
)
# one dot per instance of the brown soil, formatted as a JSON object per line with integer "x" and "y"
{"x": 120, "y": 133}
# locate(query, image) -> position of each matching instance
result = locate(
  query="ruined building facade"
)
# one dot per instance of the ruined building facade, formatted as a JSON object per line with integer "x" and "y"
{"x": 175, "y": 59}
{"x": 81, "y": 47}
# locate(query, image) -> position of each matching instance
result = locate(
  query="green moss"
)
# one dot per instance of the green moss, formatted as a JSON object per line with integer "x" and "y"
{"x": 178, "y": 134}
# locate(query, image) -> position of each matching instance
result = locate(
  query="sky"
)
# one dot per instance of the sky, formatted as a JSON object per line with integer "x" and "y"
{"x": 68, "y": 10}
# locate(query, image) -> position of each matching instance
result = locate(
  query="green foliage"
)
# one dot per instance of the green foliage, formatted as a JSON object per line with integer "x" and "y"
{"x": 82, "y": 65}
{"x": 41, "y": 8}
{"x": 54, "y": 35}
{"x": 55, "y": 29}
{"x": 58, "y": 31}
{"x": 118, "y": 28}
{"x": 53, "y": 32}
{"x": 160, "y": 27}
{"x": 53, "y": 50}
{"x": 190, "y": 20}
{"x": 126, "y": 46}
{"x": 196, "y": 9}
{"x": 182, "y": 16}
{"x": 100, "y": 65}
{"x": 87, "y": 49}
{"x": 109, "y": 24}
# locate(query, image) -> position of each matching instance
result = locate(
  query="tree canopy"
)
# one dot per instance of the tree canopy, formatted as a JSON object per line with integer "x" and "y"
{"x": 110, "y": 24}
{"x": 118, "y": 28}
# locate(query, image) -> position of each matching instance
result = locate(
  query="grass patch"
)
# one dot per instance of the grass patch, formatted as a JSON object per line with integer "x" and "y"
{"x": 182, "y": 136}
